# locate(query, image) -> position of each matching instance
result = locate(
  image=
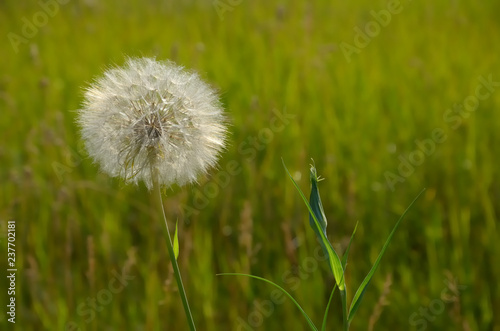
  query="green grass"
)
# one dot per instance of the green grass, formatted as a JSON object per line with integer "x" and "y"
{"x": 76, "y": 226}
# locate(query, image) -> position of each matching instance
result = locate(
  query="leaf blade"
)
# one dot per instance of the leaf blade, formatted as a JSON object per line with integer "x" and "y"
{"x": 361, "y": 289}
{"x": 333, "y": 258}
{"x": 346, "y": 253}
{"x": 309, "y": 321}
{"x": 323, "y": 326}
{"x": 176, "y": 242}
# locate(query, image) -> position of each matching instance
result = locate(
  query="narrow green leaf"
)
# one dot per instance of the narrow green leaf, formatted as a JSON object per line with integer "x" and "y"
{"x": 361, "y": 290}
{"x": 346, "y": 254}
{"x": 323, "y": 326}
{"x": 176, "y": 242}
{"x": 333, "y": 258}
{"x": 316, "y": 205}
{"x": 319, "y": 223}
{"x": 311, "y": 324}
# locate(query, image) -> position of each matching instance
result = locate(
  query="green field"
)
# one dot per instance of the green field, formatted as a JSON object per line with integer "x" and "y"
{"x": 383, "y": 112}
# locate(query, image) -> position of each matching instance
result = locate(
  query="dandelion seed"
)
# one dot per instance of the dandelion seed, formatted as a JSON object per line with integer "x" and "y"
{"x": 152, "y": 120}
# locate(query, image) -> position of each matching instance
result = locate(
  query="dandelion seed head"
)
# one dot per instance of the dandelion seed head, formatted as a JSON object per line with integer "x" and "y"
{"x": 152, "y": 119}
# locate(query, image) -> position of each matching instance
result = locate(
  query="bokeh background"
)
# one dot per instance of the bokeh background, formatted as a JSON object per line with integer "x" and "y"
{"x": 291, "y": 92}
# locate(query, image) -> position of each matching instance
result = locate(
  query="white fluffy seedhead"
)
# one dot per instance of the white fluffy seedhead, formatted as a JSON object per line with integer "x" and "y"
{"x": 152, "y": 119}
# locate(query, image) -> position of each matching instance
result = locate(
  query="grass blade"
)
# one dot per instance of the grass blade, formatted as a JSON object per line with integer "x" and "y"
{"x": 333, "y": 258}
{"x": 361, "y": 290}
{"x": 176, "y": 241}
{"x": 311, "y": 324}
{"x": 316, "y": 205}
{"x": 323, "y": 326}
{"x": 346, "y": 254}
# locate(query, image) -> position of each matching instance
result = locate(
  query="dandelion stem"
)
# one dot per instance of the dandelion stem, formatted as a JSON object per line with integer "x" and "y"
{"x": 177, "y": 273}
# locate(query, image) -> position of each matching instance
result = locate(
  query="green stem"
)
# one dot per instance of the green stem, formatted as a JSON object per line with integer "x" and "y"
{"x": 177, "y": 273}
{"x": 343, "y": 298}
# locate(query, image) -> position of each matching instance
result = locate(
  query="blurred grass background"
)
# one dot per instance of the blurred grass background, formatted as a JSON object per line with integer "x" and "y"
{"x": 77, "y": 228}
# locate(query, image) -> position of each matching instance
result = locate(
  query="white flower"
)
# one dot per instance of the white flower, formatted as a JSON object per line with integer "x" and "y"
{"x": 150, "y": 119}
